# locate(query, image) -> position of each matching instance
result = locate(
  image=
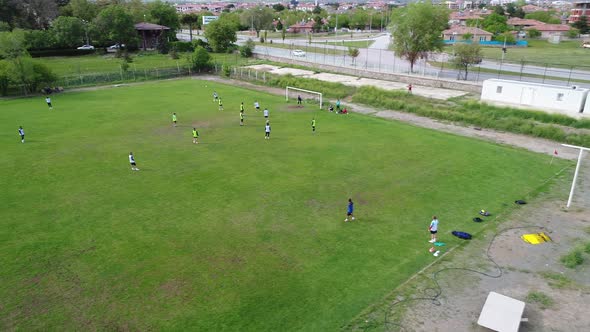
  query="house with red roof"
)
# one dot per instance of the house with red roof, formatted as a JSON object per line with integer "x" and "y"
{"x": 456, "y": 33}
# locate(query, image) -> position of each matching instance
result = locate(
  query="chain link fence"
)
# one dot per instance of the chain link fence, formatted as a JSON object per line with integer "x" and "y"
{"x": 438, "y": 66}
{"x": 132, "y": 74}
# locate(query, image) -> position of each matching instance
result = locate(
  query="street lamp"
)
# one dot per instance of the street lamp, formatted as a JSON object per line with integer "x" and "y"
{"x": 86, "y": 31}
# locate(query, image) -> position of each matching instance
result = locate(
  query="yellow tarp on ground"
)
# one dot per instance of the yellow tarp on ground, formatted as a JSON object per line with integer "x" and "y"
{"x": 535, "y": 238}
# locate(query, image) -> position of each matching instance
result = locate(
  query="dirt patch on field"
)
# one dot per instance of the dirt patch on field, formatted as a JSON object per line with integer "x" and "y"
{"x": 521, "y": 270}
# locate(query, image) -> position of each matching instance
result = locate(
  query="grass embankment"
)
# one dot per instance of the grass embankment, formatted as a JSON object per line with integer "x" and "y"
{"x": 237, "y": 233}
{"x": 533, "y": 123}
{"x": 540, "y": 52}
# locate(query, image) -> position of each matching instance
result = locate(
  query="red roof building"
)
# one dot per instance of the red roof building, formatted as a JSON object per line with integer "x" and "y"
{"x": 581, "y": 8}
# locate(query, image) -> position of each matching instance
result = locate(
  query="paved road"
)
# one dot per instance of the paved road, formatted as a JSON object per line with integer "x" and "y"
{"x": 378, "y": 58}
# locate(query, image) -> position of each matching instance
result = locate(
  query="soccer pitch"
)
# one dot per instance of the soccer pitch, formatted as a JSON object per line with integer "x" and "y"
{"x": 237, "y": 232}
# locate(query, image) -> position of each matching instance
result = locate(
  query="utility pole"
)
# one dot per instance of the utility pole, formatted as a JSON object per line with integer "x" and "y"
{"x": 86, "y": 31}
{"x": 504, "y": 48}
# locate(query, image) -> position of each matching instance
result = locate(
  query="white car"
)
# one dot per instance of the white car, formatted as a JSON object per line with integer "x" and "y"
{"x": 86, "y": 47}
{"x": 298, "y": 53}
{"x": 116, "y": 46}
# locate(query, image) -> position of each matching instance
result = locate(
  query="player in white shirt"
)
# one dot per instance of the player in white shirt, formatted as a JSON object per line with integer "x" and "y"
{"x": 132, "y": 162}
{"x": 265, "y": 113}
{"x": 433, "y": 228}
{"x": 21, "y": 132}
{"x": 267, "y": 130}
{"x": 257, "y": 105}
{"x": 48, "y": 101}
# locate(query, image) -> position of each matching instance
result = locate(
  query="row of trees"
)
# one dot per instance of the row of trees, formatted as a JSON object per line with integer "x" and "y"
{"x": 69, "y": 23}
{"x": 17, "y": 67}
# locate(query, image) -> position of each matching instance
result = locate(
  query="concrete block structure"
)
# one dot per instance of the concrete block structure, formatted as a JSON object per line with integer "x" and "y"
{"x": 567, "y": 100}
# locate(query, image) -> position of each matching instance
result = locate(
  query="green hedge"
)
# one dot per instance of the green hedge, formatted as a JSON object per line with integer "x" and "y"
{"x": 478, "y": 114}
{"x": 180, "y": 46}
{"x": 60, "y": 52}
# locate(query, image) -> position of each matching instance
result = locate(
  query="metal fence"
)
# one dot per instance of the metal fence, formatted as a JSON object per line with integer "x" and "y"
{"x": 120, "y": 76}
{"x": 435, "y": 65}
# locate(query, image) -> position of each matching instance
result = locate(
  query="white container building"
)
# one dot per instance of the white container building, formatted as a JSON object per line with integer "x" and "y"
{"x": 567, "y": 100}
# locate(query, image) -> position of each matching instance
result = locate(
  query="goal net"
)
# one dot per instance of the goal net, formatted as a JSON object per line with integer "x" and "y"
{"x": 307, "y": 96}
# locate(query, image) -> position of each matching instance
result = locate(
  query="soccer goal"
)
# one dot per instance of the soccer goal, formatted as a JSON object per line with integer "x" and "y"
{"x": 306, "y": 95}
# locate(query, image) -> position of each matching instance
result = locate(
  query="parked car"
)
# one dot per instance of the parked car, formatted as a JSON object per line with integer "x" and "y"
{"x": 298, "y": 53}
{"x": 116, "y": 47}
{"x": 86, "y": 47}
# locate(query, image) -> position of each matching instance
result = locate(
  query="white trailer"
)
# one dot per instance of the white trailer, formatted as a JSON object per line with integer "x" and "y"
{"x": 567, "y": 100}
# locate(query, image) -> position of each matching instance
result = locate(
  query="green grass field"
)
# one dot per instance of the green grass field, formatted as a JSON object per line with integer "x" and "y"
{"x": 541, "y": 52}
{"x": 236, "y": 233}
{"x": 93, "y": 64}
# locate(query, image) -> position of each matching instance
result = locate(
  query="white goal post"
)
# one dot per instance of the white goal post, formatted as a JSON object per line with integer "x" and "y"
{"x": 304, "y": 91}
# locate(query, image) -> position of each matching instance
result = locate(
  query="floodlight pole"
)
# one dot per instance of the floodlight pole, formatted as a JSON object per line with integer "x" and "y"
{"x": 569, "y": 201}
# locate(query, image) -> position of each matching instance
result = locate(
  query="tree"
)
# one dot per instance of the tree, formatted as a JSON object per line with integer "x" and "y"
{"x": 221, "y": 34}
{"x": 259, "y": 18}
{"x": 138, "y": 9}
{"x": 68, "y": 31}
{"x": 573, "y": 33}
{"x": 278, "y": 7}
{"x": 533, "y": 33}
{"x": 582, "y": 25}
{"x": 12, "y": 44}
{"x": 192, "y": 20}
{"x": 39, "y": 39}
{"x": 116, "y": 25}
{"x": 359, "y": 19}
{"x": 317, "y": 24}
{"x": 279, "y": 25}
{"x": 36, "y": 14}
{"x": 4, "y": 77}
{"x": 83, "y": 9}
{"x": 499, "y": 10}
{"x": 510, "y": 9}
{"x": 247, "y": 49}
{"x": 495, "y": 23}
{"x": 316, "y": 10}
{"x": 283, "y": 33}
{"x": 4, "y": 26}
{"x": 466, "y": 55}
{"x": 506, "y": 37}
{"x": 9, "y": 12}
{"x": 545, "y": 17}
{"x": 30, "y": 75}
{"x": 353, "y": 52}
{"x": 200, "y": 59}
{"x": 519, "y": 13}
{"x": 417, "y": 29}
{"x": 467, "y": 36}
{"x": 164, "y": 13}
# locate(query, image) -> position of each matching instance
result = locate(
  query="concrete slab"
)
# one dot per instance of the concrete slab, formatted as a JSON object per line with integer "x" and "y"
{"x": 292, "y": 71}
{"x": 267, "y": 68}
{"x": 428, "y": 92}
